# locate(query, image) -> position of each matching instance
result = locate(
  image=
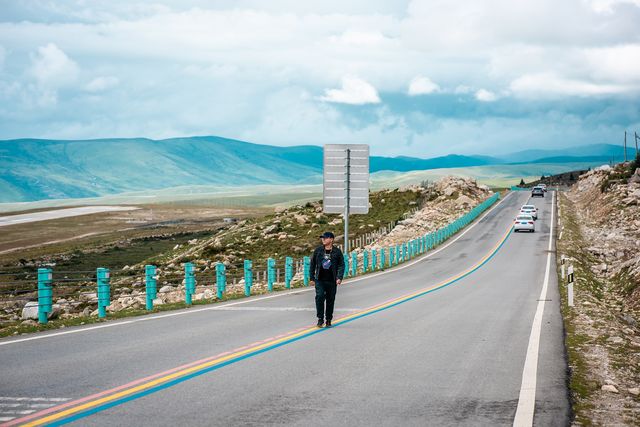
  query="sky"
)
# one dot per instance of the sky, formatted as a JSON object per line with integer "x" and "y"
{"x": 414, "y": 78}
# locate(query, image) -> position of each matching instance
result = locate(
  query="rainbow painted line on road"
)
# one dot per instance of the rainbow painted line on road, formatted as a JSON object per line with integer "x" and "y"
{"x": 95, "y": 403}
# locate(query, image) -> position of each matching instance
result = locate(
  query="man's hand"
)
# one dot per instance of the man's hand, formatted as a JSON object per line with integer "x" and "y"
{"x": 312, "y": 282}
{"x": 338, "y": 282}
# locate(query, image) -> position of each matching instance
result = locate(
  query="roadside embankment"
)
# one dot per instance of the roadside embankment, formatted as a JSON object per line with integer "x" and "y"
{"x": 599, "y": 234}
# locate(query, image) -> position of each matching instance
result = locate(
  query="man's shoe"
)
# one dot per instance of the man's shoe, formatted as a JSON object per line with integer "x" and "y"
{"x": 320, "y": 323}
{"x": 328, "y": 325}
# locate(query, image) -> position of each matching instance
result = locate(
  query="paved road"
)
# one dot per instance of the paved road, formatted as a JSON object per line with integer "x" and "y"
{"x": 447, "y": 344}
{"x": 60, "y": 213}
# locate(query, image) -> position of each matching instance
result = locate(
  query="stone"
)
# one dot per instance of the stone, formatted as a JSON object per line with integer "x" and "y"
{"x": 610, "y": 388}
{"x": 30, "y": 311}
{"x": 635, "y": 391}
{"x": 166, "y": 289}
{"x": 615, "y": 340}
{"x": 158, "y": 301}
{"x": 29, "y": 323}
{"x": 86, "y": 312}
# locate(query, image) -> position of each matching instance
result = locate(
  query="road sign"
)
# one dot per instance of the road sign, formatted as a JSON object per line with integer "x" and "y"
{"x": 346, "y": 182}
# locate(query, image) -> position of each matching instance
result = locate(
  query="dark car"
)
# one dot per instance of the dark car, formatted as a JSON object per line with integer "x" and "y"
{"x": 537, "y": 191}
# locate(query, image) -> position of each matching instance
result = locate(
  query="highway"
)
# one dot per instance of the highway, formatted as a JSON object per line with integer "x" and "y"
{"x": 468, "y": 334}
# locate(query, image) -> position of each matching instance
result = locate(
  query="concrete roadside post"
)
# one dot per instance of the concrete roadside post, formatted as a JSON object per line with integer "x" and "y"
{"x": 189, "y": 282}
{"x": 248, "y": 276}
{"x": 306, "y": 262}
{"x": 374, "y": 259}
{"x": 151, "y": 286}
{"x": 45, "y": 294}
{"x": 104, "y": 290}
{"x": 365, "y": 261}
{"x": 570, "y": 286}
{"x": 271, "y": 273}
{"x": 288, "y": 272}
{"x": 562, "y": 266}
{"x": 354, "y": 264}
{"x": 346, "y": 264}
{"x": 221, "y": 280}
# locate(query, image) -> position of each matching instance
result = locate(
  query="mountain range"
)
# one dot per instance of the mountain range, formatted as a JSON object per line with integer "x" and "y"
{"x": 39, "y": 169}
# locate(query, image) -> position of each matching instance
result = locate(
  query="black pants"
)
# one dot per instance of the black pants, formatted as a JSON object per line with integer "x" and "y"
{"x": 325, "y": 291}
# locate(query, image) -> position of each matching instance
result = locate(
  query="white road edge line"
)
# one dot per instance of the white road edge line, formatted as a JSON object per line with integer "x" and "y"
{"x": 251, "y": 300}
{"x": 527, "y": 398}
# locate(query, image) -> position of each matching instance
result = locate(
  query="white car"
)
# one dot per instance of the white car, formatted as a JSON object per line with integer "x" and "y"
{"x": 543, "y": 186}
{"x": 524, "y": 222}
{"x": 529, "y": 210}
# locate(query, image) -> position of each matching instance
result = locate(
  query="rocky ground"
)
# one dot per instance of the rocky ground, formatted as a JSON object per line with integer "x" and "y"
{"x": 600, "y": 235}
{"x": 395, "y": 216}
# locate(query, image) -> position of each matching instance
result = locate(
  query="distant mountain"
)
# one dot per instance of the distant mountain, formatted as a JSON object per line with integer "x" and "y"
{"x": 39, "y": 169}
{"x": 604, "y": 152}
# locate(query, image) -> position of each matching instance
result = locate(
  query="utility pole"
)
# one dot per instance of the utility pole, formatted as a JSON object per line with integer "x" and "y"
{"x": 625, "y": 146}
{"x": 636, "y": 138}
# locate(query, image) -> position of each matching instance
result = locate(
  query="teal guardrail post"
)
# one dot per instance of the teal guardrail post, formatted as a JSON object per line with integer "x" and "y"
{"x": 150, "y": 284}
{"x": 248, "y": 276}
{"x": 189, "y": 282}
{"x": 374, "y": 259}
{"x": 392, "y": 255}
{"x": 288, "y": 272}
{"x": 346, "y": 265}
{"x": 271, "y": 273}
{"x": 354, "y": 264}
{"x": 383, "y": 261}
{"x": 365, "y": 261}
{"x": 306, "y": 262}
{"x": 104, "y": 290}
{"x": 45, "y": 294}
{"x": 404, "y": 251}
{"x": 221, "y": 280}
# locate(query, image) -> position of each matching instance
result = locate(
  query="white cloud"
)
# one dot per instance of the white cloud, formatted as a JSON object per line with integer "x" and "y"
{"x": 101, "y": 84}
{"x": 3, "y": 55}
{"x": 52, "y": 68}
{"x": 550, "y": 85}
{"x": 485, "y": 95}
{"x": 422, "y": 86}
{"x": 354, "y": 91}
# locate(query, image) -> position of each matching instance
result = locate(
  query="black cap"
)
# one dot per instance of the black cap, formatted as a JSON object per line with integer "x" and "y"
{"x": 327, "y": 235}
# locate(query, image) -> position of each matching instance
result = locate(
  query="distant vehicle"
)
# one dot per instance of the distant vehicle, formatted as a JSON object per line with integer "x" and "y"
{"x": 524, "y": 222}
{"x": 537, "y": 192}
{"x": 543, "y": 186}
{"x": 529, "y": 210}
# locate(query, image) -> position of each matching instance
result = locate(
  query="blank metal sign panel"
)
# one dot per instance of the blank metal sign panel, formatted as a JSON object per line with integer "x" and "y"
{"x": 335, "y": 178}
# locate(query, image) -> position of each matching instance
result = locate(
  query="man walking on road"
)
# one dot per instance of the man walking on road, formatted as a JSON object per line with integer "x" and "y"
{"x": 326, "y": 270}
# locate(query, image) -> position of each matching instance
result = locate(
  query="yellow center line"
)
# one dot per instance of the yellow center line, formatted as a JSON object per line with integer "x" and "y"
{"x": 259, "y": 347}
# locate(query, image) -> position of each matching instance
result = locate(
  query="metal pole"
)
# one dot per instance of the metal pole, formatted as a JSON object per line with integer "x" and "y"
{"x": 636, "y": 138}
{"x": 625, "y": 145}
{"x": 346, "y": 203}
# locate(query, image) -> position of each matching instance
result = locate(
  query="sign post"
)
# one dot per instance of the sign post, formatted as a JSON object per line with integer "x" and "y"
{"x": 346, "y": 182}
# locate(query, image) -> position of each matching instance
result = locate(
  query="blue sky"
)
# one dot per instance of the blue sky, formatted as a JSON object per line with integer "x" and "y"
{"x": 419, "y": 78}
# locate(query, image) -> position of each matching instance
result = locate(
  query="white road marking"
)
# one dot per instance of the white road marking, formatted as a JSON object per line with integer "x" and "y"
{"x": 24, "y": 412}
{"x": 251, "y": 300}
{"x": 36, "y": 399}
{"x": 252, "y": 308}
{"x": 527, "y": 398}
{"x": 6, "y": 418}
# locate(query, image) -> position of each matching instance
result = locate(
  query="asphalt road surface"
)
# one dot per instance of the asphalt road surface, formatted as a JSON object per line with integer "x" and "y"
{"x": 469, "y": 334}
{"x": 60, "y": 213}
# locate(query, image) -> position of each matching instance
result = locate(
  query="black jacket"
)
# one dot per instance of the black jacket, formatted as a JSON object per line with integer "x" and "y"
{"x": 337, "y": 263}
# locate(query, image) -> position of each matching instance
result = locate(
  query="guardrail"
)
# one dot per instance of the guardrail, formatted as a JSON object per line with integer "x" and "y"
{"x": 62, "y": 284}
